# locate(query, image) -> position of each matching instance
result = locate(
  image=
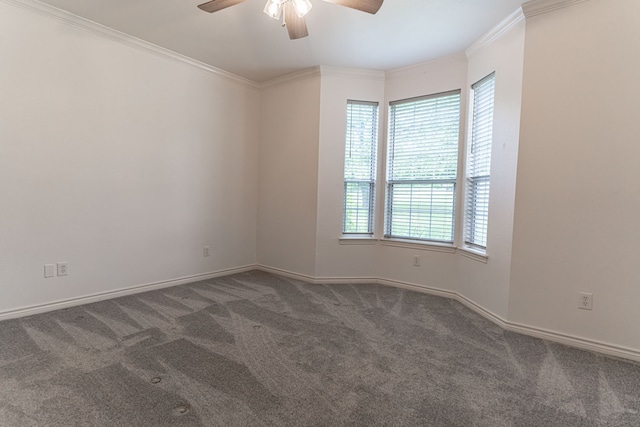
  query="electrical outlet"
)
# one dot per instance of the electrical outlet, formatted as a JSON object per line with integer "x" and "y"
{"x": 586, "y": 301}
{"x": 416, "y": 261}
{"x": 206, "y": 251}
{"x": 49, "y": 270}
{"x": 63, "y": 268}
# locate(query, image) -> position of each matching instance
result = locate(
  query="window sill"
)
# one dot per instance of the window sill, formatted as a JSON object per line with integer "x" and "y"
{"x": 425, "y": 246}
{"x": 358, "y": 240}
{"x": 474, "y": 254}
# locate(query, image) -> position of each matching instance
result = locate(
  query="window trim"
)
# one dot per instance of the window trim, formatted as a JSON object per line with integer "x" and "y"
{"x": 373, "y": 181}
{"x": 424, "y": 245}
{"x": 471, "y": 248}
{"x": 410, "y": 242}
{"x": 357, "y": 239}
{"x": 474, "y": 254}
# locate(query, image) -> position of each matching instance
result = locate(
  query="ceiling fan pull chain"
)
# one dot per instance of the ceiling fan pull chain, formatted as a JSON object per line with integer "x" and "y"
{"x": 284, "y": 17}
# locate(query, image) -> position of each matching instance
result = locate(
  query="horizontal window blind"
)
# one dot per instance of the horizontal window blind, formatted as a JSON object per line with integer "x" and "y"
{"x": 479, "y": 163}
{"x": 422, "y": 165}
{"x": 361, "y": 144}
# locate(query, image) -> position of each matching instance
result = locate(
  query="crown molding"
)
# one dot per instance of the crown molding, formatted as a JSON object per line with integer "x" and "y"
{"x": 460, "y": 56}
{"x": 326, "y": 70}
{"x": 298, "y": 75}
{"x": 538, "y": 7}
{"x": 496, "y": 32}
{"x": 122, "y": 38}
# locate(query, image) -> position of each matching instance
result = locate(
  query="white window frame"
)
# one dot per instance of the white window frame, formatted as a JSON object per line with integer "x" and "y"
{"x": 478, "y": 165}
{"x": 448, "y": 181}
{"x": 354, "y": 176}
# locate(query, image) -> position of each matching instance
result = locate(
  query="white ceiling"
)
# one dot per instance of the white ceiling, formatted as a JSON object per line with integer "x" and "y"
{"x": 244, "y": 41}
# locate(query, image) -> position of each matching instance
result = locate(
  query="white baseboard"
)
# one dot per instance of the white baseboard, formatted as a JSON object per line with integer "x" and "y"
{"x": 286, "y": 273}
{"x": 316, "y": 280}
{"x": 418, "y": 288}
{"x": 87, "y": 299}
{"x": 558, "y": 337}
{"x": 574, "y": 341}
{"x": 554, "y": 336}
{"x": 487, "y": 314}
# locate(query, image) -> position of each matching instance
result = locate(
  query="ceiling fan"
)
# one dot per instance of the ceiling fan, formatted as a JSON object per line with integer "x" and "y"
{"x": 292, "y": 12}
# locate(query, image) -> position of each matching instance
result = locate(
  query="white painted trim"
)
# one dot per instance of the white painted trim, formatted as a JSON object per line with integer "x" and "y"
{"x": 575, "y": 341}
{"x": 131, "y": 290}
{"x": 317, "y": 280}
{"x": 122, "y": 38}
{"x": 400, "y": 72}
{"x": 286, "y": 273}
{"x": 487, "y": 314}
{"x": 343, "y": 281}
{"x": 473, "y": 254}
{"x": 538, "y": 7}
{"x": 496, "y": 32}
{"x": 298, "y": 75}
{"x": 418, "y": 288}
{"x": 349, "y": 240}
{"x": 326, "y": 70}
{"x": 423, "y": 246}
{"x": 558, "y": 337}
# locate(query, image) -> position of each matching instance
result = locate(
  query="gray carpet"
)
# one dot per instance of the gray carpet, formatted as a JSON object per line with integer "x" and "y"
{"x": 256, "y": 349}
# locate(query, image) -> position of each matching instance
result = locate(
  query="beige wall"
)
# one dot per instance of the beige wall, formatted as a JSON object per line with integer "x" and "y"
{"x": 125, "y": 164}
{"x": 288, "y": 177}
{"x": 437, "y": 269}
{"x": 578, "y": 196}
{"x": 488, "y": 284}
{"x": 122, "y": 163}
{"x": 334, "y": 259}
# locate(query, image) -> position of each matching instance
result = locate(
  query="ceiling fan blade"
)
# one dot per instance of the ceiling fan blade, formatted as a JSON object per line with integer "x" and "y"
{"x": 296, "y": 25}
{"x": 369, "y": 6}
{"x": 216, "y": 5}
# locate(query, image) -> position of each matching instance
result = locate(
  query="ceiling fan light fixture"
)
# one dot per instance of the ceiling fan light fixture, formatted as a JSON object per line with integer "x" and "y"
{"x": 273, "y": 8}
{"x": 302, "y": 7}
{"x": 292, "y": 12}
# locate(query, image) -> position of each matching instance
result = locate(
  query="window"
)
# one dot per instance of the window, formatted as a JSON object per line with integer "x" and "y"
{"x": 360, "y": 167}
{"x": 479, "y": 164}
{"x": 422, "y": 165}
